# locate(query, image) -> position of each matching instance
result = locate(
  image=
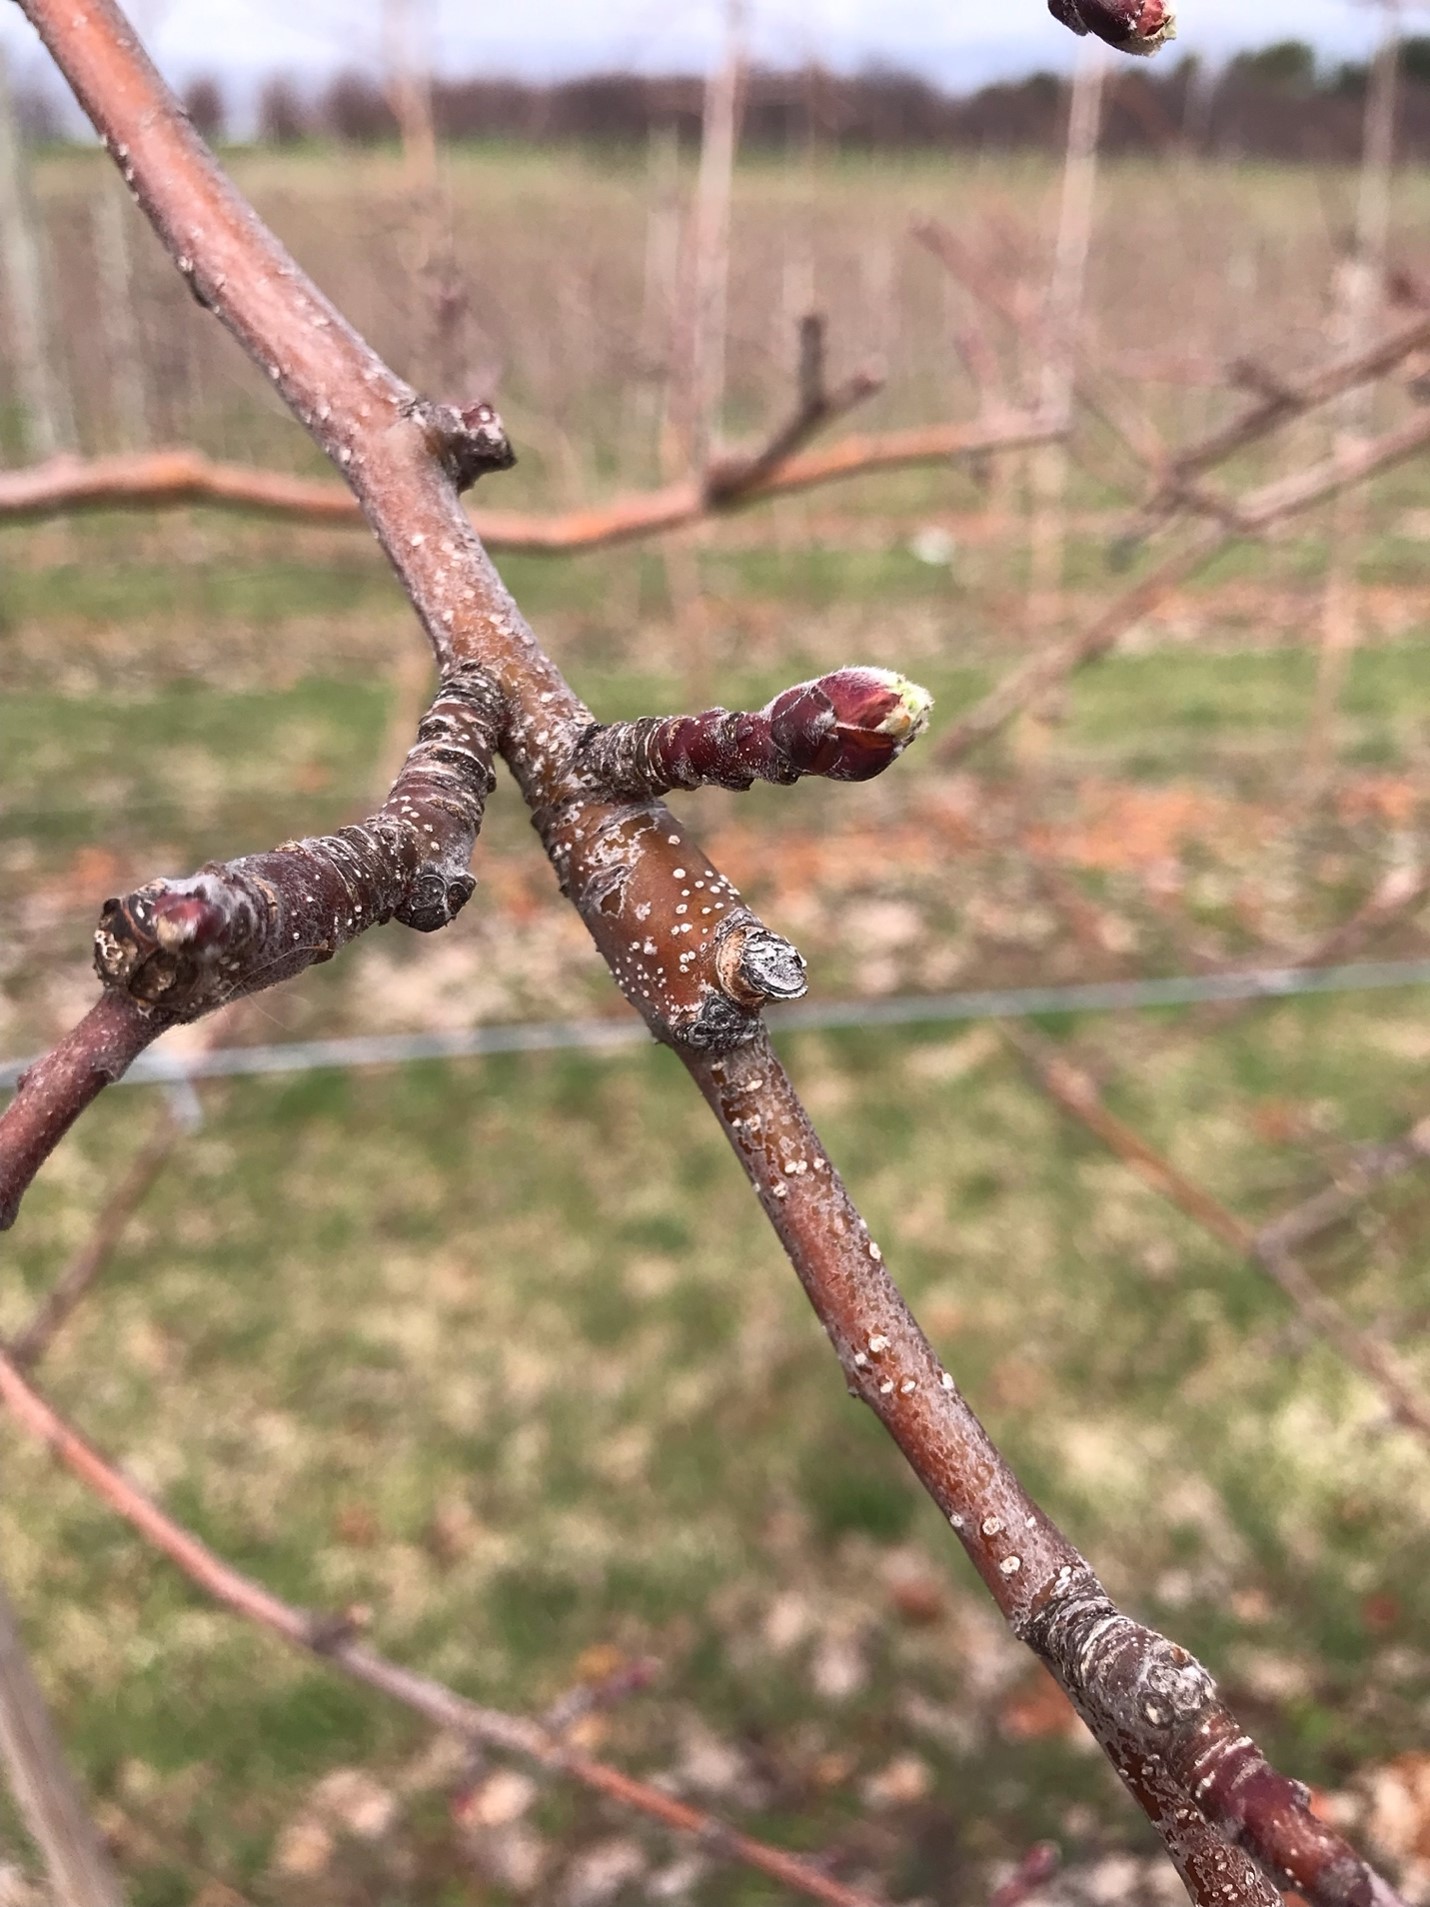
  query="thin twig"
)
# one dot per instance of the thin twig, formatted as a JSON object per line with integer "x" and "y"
{"x": 1250, "y": 516}
{"x": 174, "y": 479}
{"x": 49, "y": 1799}
{"x": 173, "y": 951}
{"x": 1370, "y": 1168}
{"x": 333, "y": 1640}
{"x": 1096, "y": 389}
{"x": 1280, "y": 401}
{"x": 87, "y": 1266}
{"x": 1074, "y": 1090}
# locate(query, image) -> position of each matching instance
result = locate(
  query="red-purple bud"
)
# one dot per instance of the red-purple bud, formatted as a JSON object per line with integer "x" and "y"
{"x": 850, "y": 725}
{"x": 1132, "y": 26}
{"x": 188, "y": 923}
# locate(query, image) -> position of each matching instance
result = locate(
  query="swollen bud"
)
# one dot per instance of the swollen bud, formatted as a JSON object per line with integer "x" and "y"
{"x": 849, "y": 726}
{"x": 1132, "y": 26}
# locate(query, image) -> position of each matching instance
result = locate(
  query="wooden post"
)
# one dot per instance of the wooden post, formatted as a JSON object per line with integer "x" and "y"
{"x": 114, "y": 269}
{"x": 1059, "y": 339}
{"x": 45, "y": 1791}
{"x": 651, "y": 392}
{"x": 47, "y": 419}
{"x": 700, "y": 392}
{"x": 1047, "y": 531}
{"x": 1361, "y": 296}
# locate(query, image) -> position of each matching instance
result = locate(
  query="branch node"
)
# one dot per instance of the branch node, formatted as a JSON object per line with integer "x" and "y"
{"x": 329, "y": 1633}
{"x": 755, "y": 966}
{"x": 470, "y": 441}
{"x": 435, "y": 901}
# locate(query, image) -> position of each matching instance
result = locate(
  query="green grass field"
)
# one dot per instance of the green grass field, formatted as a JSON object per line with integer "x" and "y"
{"x": 503, "y": 1352}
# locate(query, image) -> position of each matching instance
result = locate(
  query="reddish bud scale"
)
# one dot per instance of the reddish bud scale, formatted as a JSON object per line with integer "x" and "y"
{"x": 846, "y": 726}
{"x": 1132, "y": 26}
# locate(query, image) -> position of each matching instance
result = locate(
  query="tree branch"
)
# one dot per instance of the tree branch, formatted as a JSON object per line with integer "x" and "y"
{"x": 1372, "y": 1167}
{"x": 175, "y": 479}
{"x": 730, "y": 479}
{"x": 84, "y": 1270}
{"x": 177, "y": 949}
{"x": 1280, "y": 401}
{"x": 46, "y": 1792}
{"x": 625, "y": 867}
{"x": 1199, "y": 1777}
{"x": 1251, "y": 516}
{"x": 334, "y": 1640}
{"x": 848, "y": 726}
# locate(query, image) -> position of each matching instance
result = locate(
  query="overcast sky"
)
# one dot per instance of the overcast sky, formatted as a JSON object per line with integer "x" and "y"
{"x": 950, "y": 40}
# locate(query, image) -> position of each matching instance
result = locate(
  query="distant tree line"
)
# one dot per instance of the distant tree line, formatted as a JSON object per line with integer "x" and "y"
{"x": 1279, "y": 102}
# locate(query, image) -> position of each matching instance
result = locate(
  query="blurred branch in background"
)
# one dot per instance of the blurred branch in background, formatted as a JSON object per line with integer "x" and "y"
{"x": 335, "y": 1640}
{"x": 1059, "y": 333}
{"x": 173, "y": 479}
{"x": 46, "y": 1792}
{"x": 1246, "y": 516}
{"x": 46, "y": 417}
{"x": 1073, "y": 1088}
{"x": 1360, "y": 295}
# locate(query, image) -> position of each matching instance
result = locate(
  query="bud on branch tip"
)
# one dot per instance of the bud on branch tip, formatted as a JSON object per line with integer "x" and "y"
{"x": 1132, "y": 26}
{"x": 849, "y": 726}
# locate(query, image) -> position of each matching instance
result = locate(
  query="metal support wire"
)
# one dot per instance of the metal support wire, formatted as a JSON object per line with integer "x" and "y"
{"x": 546, "y": 1036}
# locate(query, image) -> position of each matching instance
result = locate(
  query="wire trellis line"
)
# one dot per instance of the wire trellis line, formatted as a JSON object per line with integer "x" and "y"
{"x": 156, "y": 1068}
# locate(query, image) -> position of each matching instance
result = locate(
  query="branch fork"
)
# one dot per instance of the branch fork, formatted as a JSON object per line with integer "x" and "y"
{"x": 687, "y": 953}
{"x": 667, "y": 924}
{"x": 188, "y": 946}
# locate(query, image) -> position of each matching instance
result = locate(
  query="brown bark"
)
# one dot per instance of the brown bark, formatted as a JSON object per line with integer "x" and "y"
{"x": 175, "y": 950}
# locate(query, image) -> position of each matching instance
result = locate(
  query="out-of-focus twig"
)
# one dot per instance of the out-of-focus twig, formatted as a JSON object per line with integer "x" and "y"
{"x": 1248, "y": 516}
{"x": 1073, "y": 1089}
{"x": 1280, "y": 399}
{"x": 175, "y": 479}
{"x": 335, "y": 1640}
{"x": 1365, "y": 1172}
{"x": 87, "y": 1266}
{"x": 46, "y": 1792}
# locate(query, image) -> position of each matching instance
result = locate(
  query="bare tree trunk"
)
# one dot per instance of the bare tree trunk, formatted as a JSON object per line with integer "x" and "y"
{"x": 1361, "y": 295}
{"x": 114, "y": 266}
{"x": 45, "y": 1791}
{"x": 1047, "y": 531}
{"x": 48, "y": 421}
